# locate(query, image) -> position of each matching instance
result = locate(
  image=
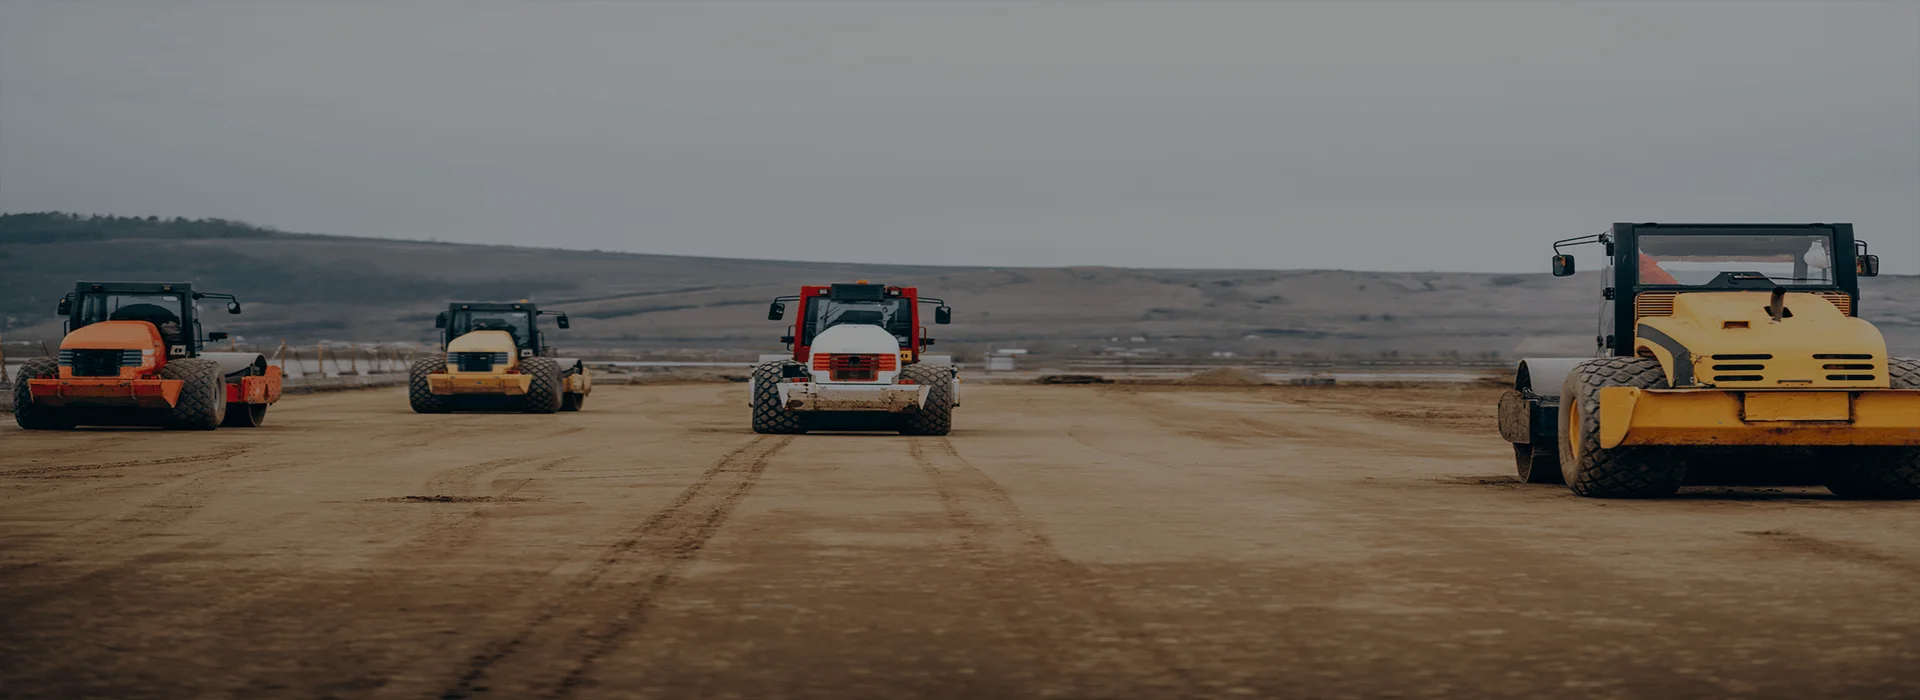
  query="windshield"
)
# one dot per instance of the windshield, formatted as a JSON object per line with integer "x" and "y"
{"x": 894, "y": 314}
{"x": 152, "y": 308}
{"x": 164, "y": 311}
{"x": 1783, "y": 259}
{"x": 516, "y": 323}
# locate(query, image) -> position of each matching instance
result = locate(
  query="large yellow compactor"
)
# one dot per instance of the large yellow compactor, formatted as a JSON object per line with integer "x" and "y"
{"x": 1722, "y": 344}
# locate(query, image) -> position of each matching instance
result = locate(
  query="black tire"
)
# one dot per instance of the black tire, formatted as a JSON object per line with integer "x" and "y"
{"x": 573, "y": 401}
{"x": 1620, "y": 472}
{"x": 544, "y": 394}
{"x": 420, "y": 393}
{"x": 32, "y": 416}
{"x": 1535, "y": 465}
{"x": 935, "y": 417}
{"x": 1880, "y": 473}
{"x": 769, "y": 415}
{"x": 203, "y": 394}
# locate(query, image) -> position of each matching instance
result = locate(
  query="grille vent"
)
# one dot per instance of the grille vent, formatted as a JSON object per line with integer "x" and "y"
{"x": 854, "y": 368}
{"x": 1840, "y": 300}
{"x": 1653, "y": 304}
{"x": 476, "y": 361}
{"x": 99, "y": 363}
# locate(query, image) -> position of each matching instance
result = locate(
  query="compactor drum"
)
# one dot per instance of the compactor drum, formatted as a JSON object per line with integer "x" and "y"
{"x": 496, "y": 358}
{"x": 1735, "y": 345}
{"x": 134, "y": 354}
{"x": 858, "y": 363}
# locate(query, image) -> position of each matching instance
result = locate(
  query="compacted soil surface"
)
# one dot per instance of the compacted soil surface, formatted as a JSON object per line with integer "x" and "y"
{"x": 1065, "y": 541}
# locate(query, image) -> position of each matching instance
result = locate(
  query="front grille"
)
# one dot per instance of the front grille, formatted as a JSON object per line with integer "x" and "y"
{"x": 854, "y": 368}
{"x": 99, "y": 363}
{"x": 476, "y": 361}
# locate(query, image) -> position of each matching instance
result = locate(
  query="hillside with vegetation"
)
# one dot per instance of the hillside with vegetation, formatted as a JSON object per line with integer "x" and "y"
{"x": 308, "y": 287}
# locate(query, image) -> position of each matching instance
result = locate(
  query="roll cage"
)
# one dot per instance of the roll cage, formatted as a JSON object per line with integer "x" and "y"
{"x": 519, "y": 319}
{"x": 94, "y": 302}
{"x": 1625, "y": 282}
{"x": 897, "y": 309}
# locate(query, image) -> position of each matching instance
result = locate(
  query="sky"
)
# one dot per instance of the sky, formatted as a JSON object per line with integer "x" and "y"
{"x": 1443, "y": 136}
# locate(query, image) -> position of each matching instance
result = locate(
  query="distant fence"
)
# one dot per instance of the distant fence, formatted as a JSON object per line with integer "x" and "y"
{"x": 315, "y": 361}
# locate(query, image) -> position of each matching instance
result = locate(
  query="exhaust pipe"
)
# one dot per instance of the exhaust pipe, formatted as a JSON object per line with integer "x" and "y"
{"x": 1778, "y": 306}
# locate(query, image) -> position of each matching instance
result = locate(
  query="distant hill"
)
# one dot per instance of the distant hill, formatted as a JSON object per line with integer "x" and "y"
{"x": 306, "y": 287}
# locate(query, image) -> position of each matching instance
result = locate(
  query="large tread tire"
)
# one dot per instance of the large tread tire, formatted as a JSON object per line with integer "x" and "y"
{"x": 544, "y": 392}
{"x": 935, "y": 416}
{"x": 1880, "y": 473}
{"x": 1535, "y": 465}
{"x": 203, "y": 394}
{"x": 32, "y": 416}
{"x": 420, "y": 393}
{"x": 769, "y": 415}
{"x": 1620, "y": 472}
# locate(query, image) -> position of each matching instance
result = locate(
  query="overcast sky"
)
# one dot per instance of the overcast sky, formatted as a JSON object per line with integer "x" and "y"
{"x": 1360, "y": 135}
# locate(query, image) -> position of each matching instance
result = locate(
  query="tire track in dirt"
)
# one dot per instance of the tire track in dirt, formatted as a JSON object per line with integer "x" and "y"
{"x": 998, "y": 537}
{"x": 186, "y": 496}
{"x": 611, "y": 599}
{"x": 51, "y": 470}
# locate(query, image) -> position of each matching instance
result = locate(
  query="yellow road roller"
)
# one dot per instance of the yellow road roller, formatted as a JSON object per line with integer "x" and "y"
{"x": 1734, "y": 345}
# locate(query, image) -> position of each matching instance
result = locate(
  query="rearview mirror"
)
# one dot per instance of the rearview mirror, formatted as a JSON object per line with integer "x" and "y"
{"x": 1867, "y": 265}
{"x": 943, "y": 314}
{"x": 563, "y": 322}
{"x": 440, "y": 320}
{"x": 777, "y": 311}
{"x": 233, "y": 307}
{"x": 217, "y": 335}
{"x": 1562, "y": 265}
{"x": 66, "y": 305}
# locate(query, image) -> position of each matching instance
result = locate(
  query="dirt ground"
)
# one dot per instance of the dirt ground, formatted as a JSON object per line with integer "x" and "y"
{"x": 1065, "y": 541}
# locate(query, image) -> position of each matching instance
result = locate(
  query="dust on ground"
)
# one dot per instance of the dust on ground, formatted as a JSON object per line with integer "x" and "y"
{"x": 1069, "y": 541}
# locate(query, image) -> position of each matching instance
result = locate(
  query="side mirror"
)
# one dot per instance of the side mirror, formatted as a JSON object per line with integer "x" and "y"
{"x": 1867, "y": 265}
{"x": 233, "y": 307}
{"x": 66, "y": 305}
{"x": 217, "y": 335}
{"x": 563, "y": 322}
{"x": 777, "y": 311}
{"x": 942, "y": 315}
{"x": 440, "y": 320}
{"x": 1562, "y": 265}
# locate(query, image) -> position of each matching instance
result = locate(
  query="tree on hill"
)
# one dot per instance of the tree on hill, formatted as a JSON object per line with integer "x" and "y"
{"x": 58, "y": 227}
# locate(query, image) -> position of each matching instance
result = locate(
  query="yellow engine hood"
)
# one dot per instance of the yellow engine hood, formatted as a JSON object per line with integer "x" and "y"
{"x": 1728, "y": 340}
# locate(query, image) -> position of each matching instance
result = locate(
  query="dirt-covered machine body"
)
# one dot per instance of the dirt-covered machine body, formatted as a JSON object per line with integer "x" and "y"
{"x": 134, "y": 354}
{"x": 1722, "y": 344}
{"x": 858, "y": 362}
{"x": 497, "y": 358}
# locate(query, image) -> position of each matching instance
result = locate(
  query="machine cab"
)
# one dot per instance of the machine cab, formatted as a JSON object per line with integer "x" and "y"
{"x": 1648, "y": 264}
{"x": 172, "y": 308}
{"x": 518, "y": 320}
{"x": 893, "y": 309}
